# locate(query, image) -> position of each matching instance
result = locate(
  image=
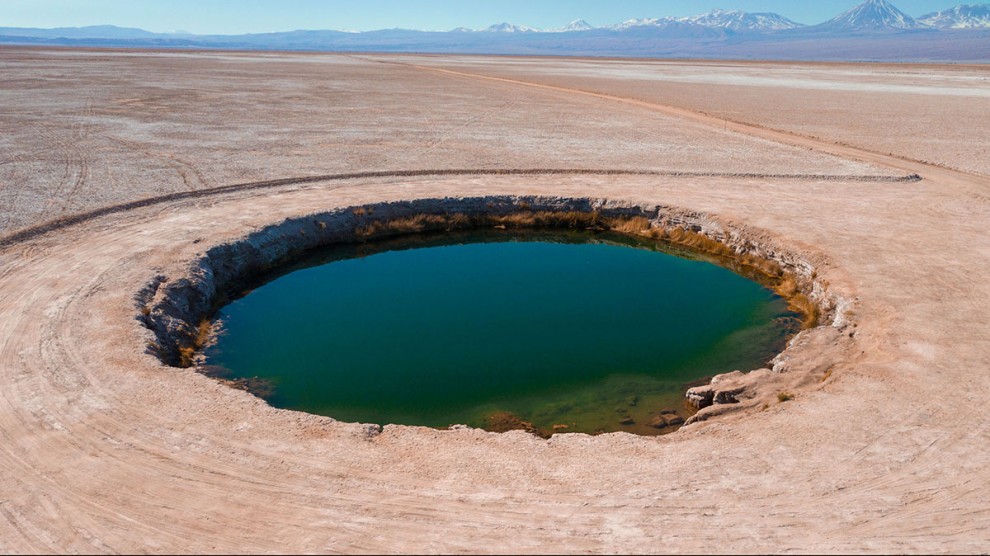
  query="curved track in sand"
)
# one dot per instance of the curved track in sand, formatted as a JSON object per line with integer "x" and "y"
{"x": 59, "y": 223}
{"x": 104, "y": 449}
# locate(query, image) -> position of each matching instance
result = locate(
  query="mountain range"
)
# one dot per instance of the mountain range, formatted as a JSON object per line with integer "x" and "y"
{"x": 870, "y": 15}
{"x": 873, "y": 30}
{"x": 960, "y": 17}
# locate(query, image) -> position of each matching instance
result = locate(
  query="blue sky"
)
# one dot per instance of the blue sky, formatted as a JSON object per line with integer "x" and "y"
{"x": 251, "y": 16}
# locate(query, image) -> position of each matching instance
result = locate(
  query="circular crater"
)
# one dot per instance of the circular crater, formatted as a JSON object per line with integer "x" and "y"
{"x": 589, "y": 390}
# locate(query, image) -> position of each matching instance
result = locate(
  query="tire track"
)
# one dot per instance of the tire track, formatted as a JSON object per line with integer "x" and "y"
{"x": 80, "y": 131}
{"x": 191, "y": 177}
{"x": 74, "y": 163}
{"x": 62, "y": 156}
{"x": 50, "y": 226}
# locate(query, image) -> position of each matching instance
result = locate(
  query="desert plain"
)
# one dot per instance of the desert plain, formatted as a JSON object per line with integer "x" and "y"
{"x": 117, "y": 166}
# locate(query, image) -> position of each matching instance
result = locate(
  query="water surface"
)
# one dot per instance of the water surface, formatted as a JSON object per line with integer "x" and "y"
{"x": 573, "y": 332}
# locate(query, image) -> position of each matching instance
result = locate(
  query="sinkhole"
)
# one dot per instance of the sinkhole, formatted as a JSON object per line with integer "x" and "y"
{"x": 544, "y": 330}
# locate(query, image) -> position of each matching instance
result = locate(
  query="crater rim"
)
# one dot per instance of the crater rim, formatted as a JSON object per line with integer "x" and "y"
{"x": 176, "y": 310}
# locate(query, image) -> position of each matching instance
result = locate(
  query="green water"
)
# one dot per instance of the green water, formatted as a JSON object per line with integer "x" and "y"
{"x": 585, "y": 332}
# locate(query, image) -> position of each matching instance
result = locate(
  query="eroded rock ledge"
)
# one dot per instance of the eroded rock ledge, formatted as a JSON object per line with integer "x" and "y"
{"x": 174, "y": 309}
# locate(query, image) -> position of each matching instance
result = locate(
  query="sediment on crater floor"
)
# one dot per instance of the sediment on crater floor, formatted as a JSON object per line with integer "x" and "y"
{"x": 176, "y": 309}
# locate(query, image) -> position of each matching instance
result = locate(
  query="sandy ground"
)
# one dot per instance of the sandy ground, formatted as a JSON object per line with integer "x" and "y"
{"x": 85, "y": 129}
{"x": 104, "y": 449}
{"x": 907, "y": 110}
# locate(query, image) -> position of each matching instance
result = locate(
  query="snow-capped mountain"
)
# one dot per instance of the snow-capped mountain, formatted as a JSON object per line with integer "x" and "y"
{"x": 872, "y": 15}
{"x": 733, "y": 20}
{"x": 642, "y": 22}
{"x": 960, "y": 17}
{"x": 509, "y": 28}
{"x": 576, "y": 25}
{"x": 666, "y": 27}
{"x": 736, "y": 20}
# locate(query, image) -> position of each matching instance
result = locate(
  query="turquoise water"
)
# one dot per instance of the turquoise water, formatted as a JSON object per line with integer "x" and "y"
{"x": 572, "y": 332}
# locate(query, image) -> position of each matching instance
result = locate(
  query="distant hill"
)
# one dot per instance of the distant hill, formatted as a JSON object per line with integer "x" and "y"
{"x": 874, "y": 30}
{"x": 91, "y": 32}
